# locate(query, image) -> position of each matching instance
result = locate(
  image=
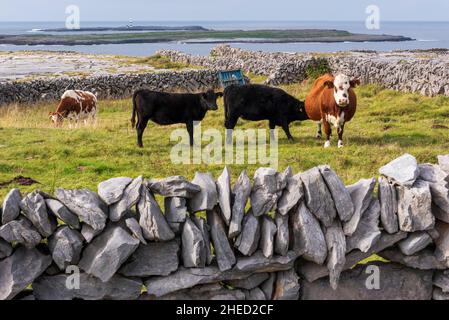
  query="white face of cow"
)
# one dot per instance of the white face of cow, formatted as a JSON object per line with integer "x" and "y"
{"x": 342, "y": 84}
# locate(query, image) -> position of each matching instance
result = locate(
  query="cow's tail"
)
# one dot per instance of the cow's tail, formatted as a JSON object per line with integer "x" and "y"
{"x": 133, "y": 118}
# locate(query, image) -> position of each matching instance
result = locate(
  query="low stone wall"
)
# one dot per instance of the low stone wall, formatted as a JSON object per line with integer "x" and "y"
{"x": 301, "y": 237}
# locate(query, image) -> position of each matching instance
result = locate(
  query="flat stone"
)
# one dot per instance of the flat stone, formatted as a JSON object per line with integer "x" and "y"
{"x": 111, "y": 191}
{"x": 207, "y": 198}
{"x": 61, "y": 212}
{"x": 176, "y": 186}
{"x": 423, "y": 260}
{"x": 403, "y": 170}
{"x": 396, "y": 283}
{"x": 5, "y": 249}
{"x": 130, "y": 198}
{"x": 65, "y": 246}
{"x": 90, "y": 288}
{"x": 205, "y": 231}
{"x": 318, "y": 197}
{"x": 135, "y": 229}
{"x": 107, "y": 252}
{"x": 213, "y": 291}
{"x": 193, "y": 246}
{"x": 415, "y": 207}
{"x": 336, "y": 256}
{"x": 292, "y": 194}
{"x": 367, "y": 232}
{"x": 286, "y": 286}
{"x": 89, "y": 233}
{"x": 443, "y": 162}
{"x": 340, "y": 195}
{"x": 361, "y": 194}
{"x": 153, "y": 259}
{"x": 20, "y": 231}
{"x": 388, "y": 206}
{"x": 241, "y": 193}
{"x": 282, "y": 237}
{"x": 249, "y": 283}
{"x": 268, "y": 286}
{"x": 432, "y": 173}
{"x": 34, "y": 207}
{"x": 259, "y": 263}
{"x": 248, "y": 240}
{"x": 441, "y": 280}
{"x": 255, "y": 294}
{"x": 415, "y": 242}
{"x": 267, "y": 232}
{"x": 86, "y": 205}
{"x": 223, "y": 250}
{"x": 21, "y": 269}
{"x": 224, "y": 195}
{"x": 442, "y": 243}
{"x": 153, "y": 223}
{"x": 439, "y": 295}
{"x": 11, "y": 206}
{"x": 175, "y": 212}
{"x": 307, "y": 237}
{"x": 267, "y": 189}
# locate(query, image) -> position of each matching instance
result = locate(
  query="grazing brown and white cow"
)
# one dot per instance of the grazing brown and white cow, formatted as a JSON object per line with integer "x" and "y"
{"x": 75, "y": 105}
{"x": 332, "y": 102}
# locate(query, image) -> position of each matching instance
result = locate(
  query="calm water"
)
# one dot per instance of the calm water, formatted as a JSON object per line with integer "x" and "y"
{"x": 427, "y": 34}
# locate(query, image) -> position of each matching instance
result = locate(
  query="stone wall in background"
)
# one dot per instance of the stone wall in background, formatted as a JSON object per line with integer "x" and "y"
{"x": 300, "y": 238}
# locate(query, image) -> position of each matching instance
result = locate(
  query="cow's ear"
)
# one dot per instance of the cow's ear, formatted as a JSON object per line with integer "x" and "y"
{"x": 219, "y": 94}
{"x": 328, "y": 84}
{"x": 354, "y": 83}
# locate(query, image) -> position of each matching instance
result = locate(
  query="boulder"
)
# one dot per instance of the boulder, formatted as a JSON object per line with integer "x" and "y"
{"x": 107, "y": 252}
{"x": 21, "y": 269}
{"x": 442, "y": 243}
{"x": 249, "y": 283}
{"x": 286, "y": 286}
{"x": 423, "y": 260}
{"x": 175, "y": 212}
{"x": 293, "y": 193}
{"x": 224, "y": 195}
{"x": 11, "y": 206}
{"x": 65, "y": 246}
{"x": 130, "y": 198}
{"x": 241, "y": 193}
{"x": 207, "y": 198}
{"x": 176, "y": 186}
{"x": 193, "y": 246}
{"x": 134, "y": 227}
{"x": 318, "y": 198}
{"x": 443, "y": 162}
{"x": 388, "y": 206}
{"x": 267, "y": 233}
{"x": 282, "y": 237}
{"x": 205, "y": 231}
{"x": 403, "y": 171}
{"x": 20, "y": 231}
{"x": 34, "y": 207}
{"x": 222, "y": 249}
{"x": 415, "y": 242}
{"x": 248, "y": 240}
{"x": 112, "y": 190}
{"x": 153, "y": 259}
{"x": 336, "y": 256}
{"x": 86, "y": 205}
{"x": 5, "y": 249}
{"x": 361, "y": 195}
{"x": 61, "y": 212}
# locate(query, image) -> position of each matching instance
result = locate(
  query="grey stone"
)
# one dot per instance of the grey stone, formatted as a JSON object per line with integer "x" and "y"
{"x": 439, "y": 189}
{"x": 388, "y": 206}
{"x": 86, "y": 205}
{"x": 286, "y": 286}
{"x": 89, "y": 233}
{"x": 438, "y": 294}
{"x": 130, "y": 198}
{"x": 415, "y": 207}
{"x": 205, "y": 231}
{"x": 282, "y": 237}
{"x": 443, "y": 162}
{"x": 136, "y": 230}
{"x": 153, "y": 259}
{"x": 224, "y": 195}
{"x": 361, "y": 194}
{"x": 213, "y": 291}
{"x": 241, "y": 192}
{"x": 259, "y": 263}
{"x": 307, "y": 237}
{"x": 415, "y": 242}
{"x": 21, "y": 269}
{"x": 65, "y": 246}
{"x": 20, "y": 231}
{"x": 255, "y": 294}
{"x": 207, "y": 198}
{"x": 34, "y": 207}
{"x": 267, "y": 188}
{"x": 318, "y": 198}
{"x": 336, "y": 256}
{"x": 176, "y": 186}
{"x": 268, "y": 286}
{"x": 249, "y": 283}
{"x": 367, "y": 232}
{"x": 248, "y": 240}
{"x": 433, "y": 173}
{"x": 5, "y": 249}
{"x": 61, "y": 212}
{"x": 11, "y": 206}
{"x": 396, "y": 283}
{"x": 175, "y": 212}
{"x": 442, "y": 243}
{"x": 193, "y": 246}
{"x": 107, "y": 252}
{"x": 293, "y": 193}
{"x": 91, "y": 288}
{"x": 153, "y": 223}
{"x": 267, "y": 232}
{"x": 112, "y": 190}
{"x": 423, "y": 260}
{"x": 441, "y": 280}
{"x": 223, "y": 250}
{"x": 340, "y": 195}
{"x": 403, "y": 170}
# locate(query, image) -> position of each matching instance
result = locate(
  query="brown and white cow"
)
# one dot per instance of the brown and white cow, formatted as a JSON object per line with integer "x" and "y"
{"x": 332, "y": 102}
{"x": 75, "y": 105}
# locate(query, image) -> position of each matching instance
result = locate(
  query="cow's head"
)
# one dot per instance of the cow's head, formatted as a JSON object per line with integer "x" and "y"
{"x": 56, "y": 118}
{"x": 341, "y": 86}
{"x": 209, "y": 99}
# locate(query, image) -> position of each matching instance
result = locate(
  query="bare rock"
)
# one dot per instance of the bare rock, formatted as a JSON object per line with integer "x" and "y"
{"x": 441, "y": 280}
{"x": 268, "y": 286}
{"x": 223, "y": 250}
{"x": 11, "y": 206}
{"x": 175, "y": 212}
{"x": 135, "y": 229}
{"x": 415, "y": 242}
{"x": 241, "y": 192}
{"x": 248, "y": 240}
{"x": 61, "y": 212}
{"x": 205, "y": 231}
{"x": 286, "y": 286}
{"x": 213, "y": 291}
{"x": 388, "y": 206}
{"x": 65, "y": 246}
{"x": 176, "y": 186}
{"x": 20, "y": 231}
{"x": 207, "y": 198}
{"x": 403, "y": 170}
{"x": 442, "y": 243}
{"x": 293, "y": 193}
{"x": 224, "y": 195}
{"x": 443, "y": 162}
{"x": 282, "y": 237}
{"x": 268, "y": 231}
{"x": 193, "y": 246}
{"x": 5, "y": 249}
{"x": 423, "y": 260}
{"x": 249, "y": 283}
{"x": 255, "y": 294}
{"x": 259, "y": 263}
{"x": 433, "y": 173}
{"x": 439, "y": 295}
{"x": 130, "y": 198}
{"x": 112, "y": 190}
{"x": 336, "y": 256}
{"x": 361, "y": 195}
{"x": 34, "y": 207}
{"x": 89, "y": 233}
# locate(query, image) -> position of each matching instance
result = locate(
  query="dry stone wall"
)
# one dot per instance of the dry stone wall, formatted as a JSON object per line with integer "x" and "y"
{"x": 300, "y": 238}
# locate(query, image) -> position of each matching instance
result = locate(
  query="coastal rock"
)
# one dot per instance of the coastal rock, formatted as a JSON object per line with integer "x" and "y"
{"x": 224, "y": 195}
{"x": 61, "y": 212}
{"x": 223, "y": 250}
{"x": 414, "y": 243}
{"x": 293, "y": 193}
{"x": 193, "y": 246}
{"x": 65, "y": 246}
{"x": 241, "y": 192}
{"x": 282, "y": 237}
{"x": 207, "y": 198}
{"x": 175, "y": 212}
{"x": 205, "y": 231}
{"x": 176, "y": 186}
{"x": 268, "y": 231}
{"x": 11, "y": 206}
{"x": 34, "y": 208}
{"x": 336, "y": 246}
{"x": 20, "y": 231}
{"x": 112, "y": 190}
{"x": 129, "y": 199}
{"x": 135, "y": 229}
{"x": 286, "y": 286}
{"x": 388, "y": 206}
{"x": 403, "y": 170}
{"x": 423, "y": 260}
{"x": 248, "y": 240}
{"x": 361, "y": 195}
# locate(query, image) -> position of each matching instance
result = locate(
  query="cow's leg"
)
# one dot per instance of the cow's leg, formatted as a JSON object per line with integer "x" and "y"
{"x": 328, "y": 132}
{"x": 140, "y": 129}
{"x": 319, "y": 133}
{"x": 286, "y": 129}
{"x": 189, "y": 125}
{"x": 340, "y": 135}
{"x": 230, "y": 124}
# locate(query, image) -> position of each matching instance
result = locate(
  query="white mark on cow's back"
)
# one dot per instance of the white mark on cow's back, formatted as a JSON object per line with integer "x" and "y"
{"x": 73, "y": 94}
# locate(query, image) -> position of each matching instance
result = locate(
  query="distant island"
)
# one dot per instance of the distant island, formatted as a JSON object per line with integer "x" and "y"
{"x": 194, "y": 35}
{"x": 128, "y": 28}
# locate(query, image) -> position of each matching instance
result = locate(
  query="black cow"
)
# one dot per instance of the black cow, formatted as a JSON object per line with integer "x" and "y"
{"x": 170, "y": 108}
{"x": 258, "y": 102}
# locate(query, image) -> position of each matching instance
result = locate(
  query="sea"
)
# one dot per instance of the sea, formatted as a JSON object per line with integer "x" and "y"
{"x": 426, "y": 35}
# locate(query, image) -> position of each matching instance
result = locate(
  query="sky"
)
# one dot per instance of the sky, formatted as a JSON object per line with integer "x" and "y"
{"x": 224, "y": 10}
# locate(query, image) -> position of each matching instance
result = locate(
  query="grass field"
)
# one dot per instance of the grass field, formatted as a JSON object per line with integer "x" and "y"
{"x": 387, "y": 124}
